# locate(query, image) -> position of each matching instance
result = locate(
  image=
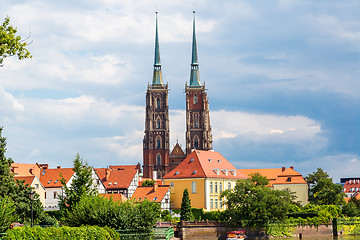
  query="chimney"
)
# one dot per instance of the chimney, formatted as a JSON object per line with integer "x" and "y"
{"x": 292, "y": 168}
{"x": 58, "y": 167}
{"x": 283, "y": 169}
{"x": 155, "y": 186}
{"x": 107, "y": 173}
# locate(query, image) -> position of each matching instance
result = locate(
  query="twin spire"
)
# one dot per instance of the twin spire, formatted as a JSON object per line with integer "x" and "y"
{"x": 194, "y": 74}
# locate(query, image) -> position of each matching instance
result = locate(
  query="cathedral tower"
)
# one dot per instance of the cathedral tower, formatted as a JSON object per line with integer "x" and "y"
{"x": 156, "y": 138}
{"x": 198, "y": 129}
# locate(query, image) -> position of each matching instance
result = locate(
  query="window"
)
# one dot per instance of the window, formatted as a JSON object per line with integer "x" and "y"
{"x": 229, "y": 185}
{"x": 158, "y": 142}
{"x": 220, "y": 187}
{"x": 158, "y": 123}
{"x": 155, "y": 198}
{"x": 171, "y": 184}
{"x": 36, "y": 186}
{"x": 211, "y": 203}
{"x": 216, "y": 204}
{"x": 288, "y": 179}
{"x": 55, "y": 195}
{"x": 158, "y": 159}
{"x": 195, "y": 99}
{"x": 211, "y": 187}
{"x": 216, "y": 189}
{"x": 56, "y": 181}
{"x": 193, "y": 187}
{"x": 158, "y": 105}
{"x": 196, "y": 124}
{"x": 221, "y": 203}
{"x": 196, "y": 142}
{"x": 49, "y": 181}
{"x": 45, "y": 195}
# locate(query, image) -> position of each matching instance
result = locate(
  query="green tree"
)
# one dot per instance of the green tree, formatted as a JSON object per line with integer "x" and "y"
{"x": 148, "y": 183}
{"x": 17, "y": 191}
{"x": 253, "y": 203}
{"x": 6, "y": 214}
{"x": 81, "y": 185}
{"x": 186, "y": 212}
{"x": 322, "y": 190}
{"x": 352, "y": 208}
{"x": 10, "y": 44}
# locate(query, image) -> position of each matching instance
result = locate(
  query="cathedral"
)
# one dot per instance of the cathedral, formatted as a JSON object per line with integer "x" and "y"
{"x": 157, "y": 158}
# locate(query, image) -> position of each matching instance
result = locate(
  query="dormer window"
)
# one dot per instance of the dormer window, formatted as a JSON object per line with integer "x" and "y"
{"x": 110, "y": 183}
{"x": 191, "y": 160}
{"x": 288, "y": 179}
{"x": 210, "y": 160}
{"x": 177, "y": 173}
{"x": 49, "y": 181}
{"x": 194, "y": 172}
{"x": 56, "y": 181}
{"x": 219, "y": 160}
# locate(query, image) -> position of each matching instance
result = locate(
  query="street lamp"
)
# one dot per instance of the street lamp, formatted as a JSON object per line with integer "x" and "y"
{"x": 32, "y": 198}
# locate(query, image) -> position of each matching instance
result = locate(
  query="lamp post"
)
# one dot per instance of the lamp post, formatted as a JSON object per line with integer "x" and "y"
{"x": 32, "y": 197}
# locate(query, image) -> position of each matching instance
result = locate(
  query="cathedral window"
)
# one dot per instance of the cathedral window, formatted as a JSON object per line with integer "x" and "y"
{"x": 196, "y": 142}
{"x": 195, "y": 99}
{"x": 158, "y": 103}
{"x": 158, "y": 142}
{"x": 158, "y": 159}
{"x": 196, "y": 124}
{"x": 158, "y": 123}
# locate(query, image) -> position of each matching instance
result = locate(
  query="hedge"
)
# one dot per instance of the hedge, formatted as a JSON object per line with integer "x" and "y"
{"x": 71, "y": 233}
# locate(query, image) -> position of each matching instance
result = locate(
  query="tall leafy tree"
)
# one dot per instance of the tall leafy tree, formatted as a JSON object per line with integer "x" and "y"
{"x": 81, "y": 185}
{"x": 16, "y": 191}
{"x": 253, "y": 203}
{"x": 322, "y": 190}
{"x": 186, "y": 213}
{"x": 10, "y": 44}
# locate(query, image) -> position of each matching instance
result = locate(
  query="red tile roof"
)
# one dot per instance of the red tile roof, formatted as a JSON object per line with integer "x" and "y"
{"x": 114, "y": 196}
{"x": 160, "y": 182}
{"x": 352, "y": 186}
{"x": 149, "y": 193}
{"x": 25, "y": 169}
{"x": 28, "y": 179}
{"x": 277, "y": 175}
{"x": 205, "y": 164}
{"x": 119, "y": 177}
{"x": 51, "y": 177}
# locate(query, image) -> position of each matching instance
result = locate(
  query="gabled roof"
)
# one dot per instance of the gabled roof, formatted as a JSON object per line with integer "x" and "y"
{"x": 150, "y": 193}
{"x": 352, "y": 186}
{"x": 177, "y": 151}
{"x": 114, "y": 196}
{"x": 28, "y": 179}
{"x": 119, "y": 177}
{"x": 205, "y": 164}
{"x": 277, "y": 175}
{"x": 51, "y": 177}
{"x": 25, "y": 169}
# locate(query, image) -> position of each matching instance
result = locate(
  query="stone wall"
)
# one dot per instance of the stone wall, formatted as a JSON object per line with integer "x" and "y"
{"x": 307, "y": 231}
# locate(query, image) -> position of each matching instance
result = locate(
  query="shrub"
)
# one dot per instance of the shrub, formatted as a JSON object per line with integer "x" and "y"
{"x": 6, "y": 214}
{"x": 73, "y": 233}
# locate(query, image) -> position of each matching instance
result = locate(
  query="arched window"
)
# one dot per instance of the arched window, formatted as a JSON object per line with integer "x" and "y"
{"x": 216, "y": 190}
{"x": 195, "y": 99}
{"x": 196, "y": 142}
{"x": 158, "y": 103}
{"x": 158, "y": 142}
{"x": 229, "y": 185}
{"x": 220, "y": 187}
{"x": 158, "y": 123}
{"x": 193, "y": 187}
{"x": 211, "y": 187}
{"x": 158, "y": 159}
{"x": 196, "y": 123}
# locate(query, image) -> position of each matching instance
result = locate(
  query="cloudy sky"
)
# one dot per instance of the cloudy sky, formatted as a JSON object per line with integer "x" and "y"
{"x": 282, "y": 79}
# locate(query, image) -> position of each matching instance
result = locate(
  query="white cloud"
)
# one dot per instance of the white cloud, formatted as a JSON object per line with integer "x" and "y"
{"x": 263, "y": 127}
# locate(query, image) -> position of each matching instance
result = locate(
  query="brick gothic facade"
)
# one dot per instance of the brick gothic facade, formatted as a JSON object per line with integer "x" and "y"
{"x": 156, "y": 138}
{"x": 198, "y": 129}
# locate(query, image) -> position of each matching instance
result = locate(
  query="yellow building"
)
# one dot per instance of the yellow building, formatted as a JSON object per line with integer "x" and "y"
{"x": 284, "y": 178}
{"x": 206, "y": 174}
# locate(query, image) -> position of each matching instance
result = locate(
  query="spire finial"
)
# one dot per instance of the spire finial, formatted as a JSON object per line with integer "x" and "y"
{"x": 194, "y": 75}
{"x": 157, "y": 78}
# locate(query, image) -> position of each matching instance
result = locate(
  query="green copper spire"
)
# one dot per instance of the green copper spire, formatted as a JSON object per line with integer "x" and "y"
{"x": 157, "y": 77}
{"x": 194, "y": 75}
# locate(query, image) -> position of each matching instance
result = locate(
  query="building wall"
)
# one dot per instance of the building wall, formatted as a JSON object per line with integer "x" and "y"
{"x": 39, "y": 189}
{"x": 213, "y": 200}
{"x": 133, "y": 185}
{"x": 301, "y": 191}
{"x": 177, "y": 187}
{"x": 165, "y": 202}
{"x": 51, "y": 199}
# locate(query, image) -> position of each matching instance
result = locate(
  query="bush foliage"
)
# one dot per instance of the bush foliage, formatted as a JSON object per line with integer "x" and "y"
{"x": 64, "y": 233}
{"x": 96, "y": 210}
